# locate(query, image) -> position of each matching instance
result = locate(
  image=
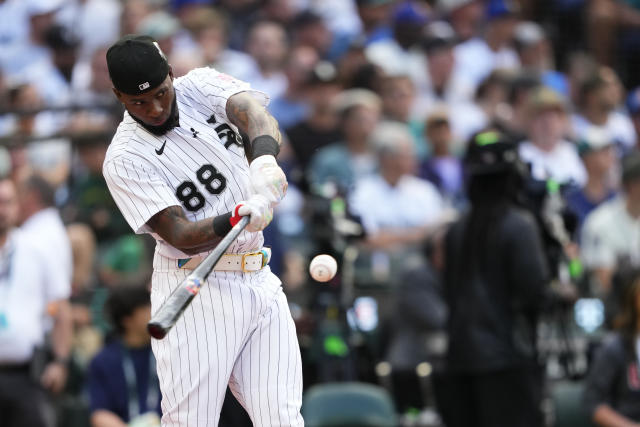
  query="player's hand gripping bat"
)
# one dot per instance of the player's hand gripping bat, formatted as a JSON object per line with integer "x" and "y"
{"x": 169, "y": 312}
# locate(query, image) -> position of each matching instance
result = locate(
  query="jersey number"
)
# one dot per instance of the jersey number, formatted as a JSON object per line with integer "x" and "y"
{"x": 213, "y": 181}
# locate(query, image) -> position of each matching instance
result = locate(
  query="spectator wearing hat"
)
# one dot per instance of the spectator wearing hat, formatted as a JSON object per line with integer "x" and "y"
{"x": 402, "y": 55}
{"x": 345, "y": 162}
{"x": 495, "y": 285}
{"x": 447, "y": 83}
{"x": 375, "y": 18}
{"x": 465, "y": 16}
{"x": 597, "y": 106}
{"x": 611, "y": 233}
{"x": 548, "y": 153}
{"x": 479, "y": 56}
{"x": 320, "y": 127}
{"x": 597, "y": 151}
{"x": 535, "y": 53}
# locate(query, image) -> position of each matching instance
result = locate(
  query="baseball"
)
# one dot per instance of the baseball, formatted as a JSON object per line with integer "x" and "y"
{"x": 323, "y": 267}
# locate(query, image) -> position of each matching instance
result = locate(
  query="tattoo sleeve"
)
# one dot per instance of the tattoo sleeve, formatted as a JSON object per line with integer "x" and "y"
{"x": 251, "y": 118}
{"x": 190, "y": 237}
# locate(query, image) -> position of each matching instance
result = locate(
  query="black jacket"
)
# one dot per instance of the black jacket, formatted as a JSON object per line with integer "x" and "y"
{"x": 494, "y": 306}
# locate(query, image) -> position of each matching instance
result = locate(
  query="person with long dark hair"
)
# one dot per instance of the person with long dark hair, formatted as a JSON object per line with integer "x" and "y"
{"x": 612, "y": 389}
{"x": 495, "y": 284}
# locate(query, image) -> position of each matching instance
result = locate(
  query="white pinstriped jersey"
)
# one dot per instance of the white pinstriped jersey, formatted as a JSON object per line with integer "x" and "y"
{"x": 200, "y": 165}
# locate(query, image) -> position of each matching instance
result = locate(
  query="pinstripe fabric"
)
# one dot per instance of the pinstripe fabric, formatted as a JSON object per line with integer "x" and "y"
{"x": 238, "y": 330}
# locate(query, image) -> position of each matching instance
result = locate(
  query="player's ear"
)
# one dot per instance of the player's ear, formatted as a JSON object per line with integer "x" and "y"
{"x": 171, "y": 73}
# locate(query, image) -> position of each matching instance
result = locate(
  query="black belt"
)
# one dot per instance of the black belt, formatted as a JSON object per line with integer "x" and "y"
{"x": 7, "y": 368}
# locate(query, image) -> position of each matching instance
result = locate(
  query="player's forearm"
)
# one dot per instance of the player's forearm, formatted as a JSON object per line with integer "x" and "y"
{"x": 190, "y": 237}
{"x": 251, "y": 118}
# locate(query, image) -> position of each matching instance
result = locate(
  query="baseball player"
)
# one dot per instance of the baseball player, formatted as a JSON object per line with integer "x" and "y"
{"x": 178, "y": 169}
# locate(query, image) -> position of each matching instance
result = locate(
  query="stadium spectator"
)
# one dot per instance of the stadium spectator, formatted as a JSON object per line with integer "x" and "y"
{"x": 320, "y": 128}
{"x": 495, "y": 278}
{"x": 611, "y": 394}
{"x": 443, "y": 168}
{"x": 412, "y": 205}
{"x": 597, "y": 107}
{"x": 35, "y": 322}
{"x": 209, "y": 29}
{"x": 596, "y": 149}
{"x": 535, "y": 53}
{"x": 267, "y": 43}
{"x": 375, "y": 18}
{"x": 610, "y": 232}
{"x": 550, "y": 155}
{"x": 465, "y": 16}
{"x": 122, "y": 380}
{"x": 477, "y": 57}
{"x": 292, "y": 106}
{"x": 345, "y": 162}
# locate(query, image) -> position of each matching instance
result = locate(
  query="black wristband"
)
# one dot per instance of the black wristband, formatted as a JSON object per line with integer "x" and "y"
{"x": 222, "y": 224}
{"x": 264, "y": 145}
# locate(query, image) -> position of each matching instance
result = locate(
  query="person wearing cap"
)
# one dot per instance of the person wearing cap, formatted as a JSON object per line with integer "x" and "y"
{"x": 535, "y": 53}
{"x": 191, "y": 156}
{"x": 495, "y": 285}
{"x": 610, "y": 236}
{"x": 479, "y": 56}
{"x": 548, "y": 153}
{"x": 597, "y": 152}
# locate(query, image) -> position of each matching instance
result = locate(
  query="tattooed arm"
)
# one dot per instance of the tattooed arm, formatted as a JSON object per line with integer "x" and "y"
{"x": 190, "y": 237}
{"x": 251, "y": 118}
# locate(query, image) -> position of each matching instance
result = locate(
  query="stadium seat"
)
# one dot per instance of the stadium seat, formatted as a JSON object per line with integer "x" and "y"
{"x": 567, "y": 403}
{"x": 348, "y": 404}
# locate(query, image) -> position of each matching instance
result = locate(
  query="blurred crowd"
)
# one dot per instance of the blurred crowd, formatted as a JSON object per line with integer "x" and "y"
{"x": 377, "y": 101}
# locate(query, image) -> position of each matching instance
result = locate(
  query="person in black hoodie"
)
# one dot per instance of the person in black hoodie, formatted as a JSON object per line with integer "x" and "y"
{"x": 495, "y": 284}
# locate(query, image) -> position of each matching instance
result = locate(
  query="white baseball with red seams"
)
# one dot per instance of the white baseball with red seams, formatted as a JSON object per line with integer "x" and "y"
{"x": 323, "y": 268}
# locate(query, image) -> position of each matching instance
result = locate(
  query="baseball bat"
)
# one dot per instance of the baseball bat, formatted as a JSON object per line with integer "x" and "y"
{"x": 170, "y": 311}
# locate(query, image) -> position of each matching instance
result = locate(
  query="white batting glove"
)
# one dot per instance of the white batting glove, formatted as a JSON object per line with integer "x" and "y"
{"x": 268, "y": 179}
{"x": 259, "y": 210}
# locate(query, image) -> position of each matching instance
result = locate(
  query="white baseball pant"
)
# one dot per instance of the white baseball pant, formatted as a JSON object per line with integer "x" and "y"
{"x": 239, "y": 332}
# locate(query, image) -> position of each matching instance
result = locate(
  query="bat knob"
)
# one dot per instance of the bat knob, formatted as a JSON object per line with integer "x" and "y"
{"x": 156, "y": 330}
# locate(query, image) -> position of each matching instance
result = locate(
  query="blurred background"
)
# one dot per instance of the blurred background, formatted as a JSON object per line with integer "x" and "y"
{"x": 376, "y": 100}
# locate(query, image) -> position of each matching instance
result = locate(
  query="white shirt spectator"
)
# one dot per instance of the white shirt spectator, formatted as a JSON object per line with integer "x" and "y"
{"x": 610, "y": 234}
{"x": 476, "y": 60}
{"x": 561, "y": 164}
{"x": 619, "y": 126}
{"x": 96, "y": 23}
{"x": 46, "y": 230}
{"x": 14, "y": 24}
{"x": 413, "y": 202}
{"x": 25, "y": 291}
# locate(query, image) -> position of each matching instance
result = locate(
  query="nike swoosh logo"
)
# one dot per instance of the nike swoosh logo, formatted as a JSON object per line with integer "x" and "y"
{"x": 160, "y": 150}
